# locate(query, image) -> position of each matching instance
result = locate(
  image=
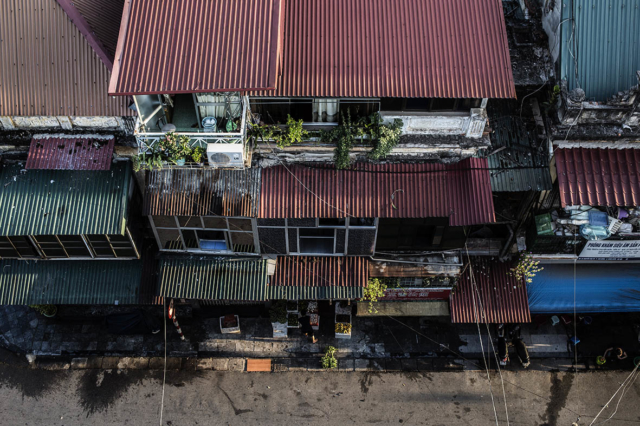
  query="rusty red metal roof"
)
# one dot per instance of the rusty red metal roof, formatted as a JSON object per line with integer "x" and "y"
{"x": 598, "y": 177}
{"x": 459, "y": 191}
{"x": 309, "y": 278}
{"x": 395, "y": 48}
{"x": 502, "y": 298}
{"x": 67, "y": 152}
{"x": 185, "y": 46}
{"x": 49, "y": 66}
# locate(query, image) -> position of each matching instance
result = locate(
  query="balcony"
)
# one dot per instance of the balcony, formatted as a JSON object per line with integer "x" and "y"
{"x": 206, "y": 119}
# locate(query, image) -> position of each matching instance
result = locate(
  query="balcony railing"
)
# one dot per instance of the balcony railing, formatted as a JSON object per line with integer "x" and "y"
{"x": 148, "y": 140}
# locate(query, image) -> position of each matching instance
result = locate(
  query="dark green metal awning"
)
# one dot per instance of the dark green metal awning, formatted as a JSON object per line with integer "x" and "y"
{"x": 64, "y": 202}
{"x": 212, "y": 278}
{"x": 63, "y": 282}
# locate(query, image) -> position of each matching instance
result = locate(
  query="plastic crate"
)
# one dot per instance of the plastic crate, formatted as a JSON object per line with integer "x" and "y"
{"x": 543, "y": 224}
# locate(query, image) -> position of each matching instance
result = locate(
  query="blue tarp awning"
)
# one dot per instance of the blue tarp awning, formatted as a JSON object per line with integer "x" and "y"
{"x": 614, "y": 287}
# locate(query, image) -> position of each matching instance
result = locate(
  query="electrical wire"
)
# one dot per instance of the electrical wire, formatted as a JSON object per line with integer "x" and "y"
{"x": 629, "y": 383}
{"x": 495, "y": 354}
{"x": 623, "y": 385}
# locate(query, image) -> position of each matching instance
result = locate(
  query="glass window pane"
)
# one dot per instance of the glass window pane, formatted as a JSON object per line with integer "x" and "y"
{"x": 316, "y": 245}
{"x": 50, "y": 246}
{"x": 240, "y": 225}
{"x": 331, "y": 222}
{"x": 361, "y": 221}
{"x": 100, "y": 245}
{"x": 170, "y": 239}
{"x": 164, "y": 221}
{"x": 122, "y": 246}
{"x": 316, "y": 232}
{"x": 214, "y": 222}
{"x": 242, "y": 242}
{"x": 442, "y": 104}
{"x": 6, "y": 249}
{"x": 212, "y": 240}
{"x": 74, "y": 246}
{"x": 24, "y": 246}
{"x": 189, "y": 221}
{"x": 189, "y": 237}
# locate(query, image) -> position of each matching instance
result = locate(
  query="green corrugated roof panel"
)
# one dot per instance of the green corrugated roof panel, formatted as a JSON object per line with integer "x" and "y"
{"x": 61, "y": 282}
{"x": 212, "y": 278}
{"x": 64, "y": 202}
{"x": 519, "y": 162}
{"x": 314, "y": 293}
{"x": 606, "y": 48}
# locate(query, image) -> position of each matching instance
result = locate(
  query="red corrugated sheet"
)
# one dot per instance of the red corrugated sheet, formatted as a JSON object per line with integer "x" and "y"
{"x": 184, "y": 46}
{"x": 49, "y": 67}
{"x": 598, "y": 177}
{"x": 71, "y": 153}
{"x": 395, "y": 48}
{"x": 459, "y": 191}
{"x": 503, "y": 299}
{"x": 329, "y": 271}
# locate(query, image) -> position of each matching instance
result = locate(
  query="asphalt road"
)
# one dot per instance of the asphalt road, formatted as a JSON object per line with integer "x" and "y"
{"x": 95, "y": 397}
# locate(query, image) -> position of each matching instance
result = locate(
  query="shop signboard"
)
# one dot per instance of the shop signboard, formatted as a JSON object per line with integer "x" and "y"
{"x": 417, "y": 294}
{"x": 611, "y": 250}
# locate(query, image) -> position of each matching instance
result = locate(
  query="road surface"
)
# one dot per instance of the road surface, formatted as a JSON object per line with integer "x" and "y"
{"x": 99, "y": 397}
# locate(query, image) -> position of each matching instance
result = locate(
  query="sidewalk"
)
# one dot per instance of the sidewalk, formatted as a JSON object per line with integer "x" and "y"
{"x": 80, "y": 332}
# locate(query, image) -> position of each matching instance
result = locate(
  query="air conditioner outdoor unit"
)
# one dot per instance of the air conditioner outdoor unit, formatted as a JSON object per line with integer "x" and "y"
{"x": 225, "y": 154}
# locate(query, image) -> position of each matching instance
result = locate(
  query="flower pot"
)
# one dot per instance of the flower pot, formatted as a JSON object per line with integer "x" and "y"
{"x": 181, "y": 162}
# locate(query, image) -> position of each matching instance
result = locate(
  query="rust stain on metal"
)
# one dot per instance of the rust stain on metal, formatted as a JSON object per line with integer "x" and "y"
{"x": 399, "y": 48}
{"x": 71, "y": 153}
{"x": 202, "y": 192}
{"x": 185, "y": 46}
{"x": 598, "y": 176}
{"x": 502, "y": 298}
{"x": 459, "y": 191}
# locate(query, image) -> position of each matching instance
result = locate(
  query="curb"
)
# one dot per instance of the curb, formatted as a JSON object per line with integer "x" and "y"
{"x": 282, "y": 365}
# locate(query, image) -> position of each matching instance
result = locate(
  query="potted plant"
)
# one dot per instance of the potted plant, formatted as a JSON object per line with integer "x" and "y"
{"x": 278, "y": 317}
{"x": 329, "y": 360}
{"x": 48, "y": 311}
{"x": 197, "y": 154}
{"x": 292, "y": 306}
{"x": 292, "y": 320}
{"x": 343, "y": 328}
{"x": 181, "y": 151}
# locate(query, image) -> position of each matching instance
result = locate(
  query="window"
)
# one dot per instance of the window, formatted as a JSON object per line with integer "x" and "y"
{"x": 50, "y": 246}
{"x": 205, "y": 233}
{"x": 17, "y": 247}
{"x": 74, "y": 246}
{"x": 311, "y": 110}
{"x": 362, "y": 222}
{"x": 332, "y": 222}
{"x": 110, "y": 246}
{"x": 317, "y": 241}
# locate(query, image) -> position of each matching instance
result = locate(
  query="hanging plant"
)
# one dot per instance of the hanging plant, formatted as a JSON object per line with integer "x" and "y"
{"x": 374, "y": 290}
{"x": 526, "y": 268}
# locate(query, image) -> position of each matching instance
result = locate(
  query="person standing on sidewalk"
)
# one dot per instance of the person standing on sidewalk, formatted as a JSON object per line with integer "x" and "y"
{"x": 614, "y": 355}
{"x": 307, "y": 330}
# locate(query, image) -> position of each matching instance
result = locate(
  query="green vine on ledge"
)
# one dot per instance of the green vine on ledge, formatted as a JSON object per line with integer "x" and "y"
{"x": 374, "y": 290}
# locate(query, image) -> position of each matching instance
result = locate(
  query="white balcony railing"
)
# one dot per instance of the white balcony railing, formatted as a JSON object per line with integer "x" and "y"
{"x": 148, "y": 140}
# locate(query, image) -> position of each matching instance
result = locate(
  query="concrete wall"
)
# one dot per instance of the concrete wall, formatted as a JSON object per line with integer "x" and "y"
{"x": 470, "y": 124}
{"x": 551, "y": 18}
{"x": 65, "y": 123}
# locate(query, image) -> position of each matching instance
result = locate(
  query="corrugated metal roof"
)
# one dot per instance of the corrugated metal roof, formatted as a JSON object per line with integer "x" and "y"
{"x": 203, "y": 192}
{"x": 459, "y": 191}
{"x": 503, "y": 298}
{"x": 213, "y": 278}
{"x": 66, "y": 152}
{"x": 598, "y": 177}
{"x": 63, "y": 202}
{"x": 520, "y": 161}
{"x": 81, "y": 282}
{"x": 104, "y": 17}
{"x": 310, "y": 278}
{"x": 605, "y": 46}
{"x": 185, "y": 46}
{"x": 48, "y": 67}
{"x": 395, "y": 48}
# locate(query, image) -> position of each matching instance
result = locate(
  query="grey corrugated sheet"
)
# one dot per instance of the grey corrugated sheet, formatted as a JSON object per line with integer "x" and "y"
{"x": 607, "y": 36}
{"x": 213, "y": 278}
{"x": 64, "y": 202}
{"x": 48, "y": 68}
{"x": 203, "y": 192}
{"x": 58, "y": 282}
{"x": 523, "y": 164}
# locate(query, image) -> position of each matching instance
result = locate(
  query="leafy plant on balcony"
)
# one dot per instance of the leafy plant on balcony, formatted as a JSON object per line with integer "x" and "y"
{"x": 292, "y": 132}
{"x": 173, "y": 148}
{"x": 197, "y": 154}
{"x": 384, "y": 137}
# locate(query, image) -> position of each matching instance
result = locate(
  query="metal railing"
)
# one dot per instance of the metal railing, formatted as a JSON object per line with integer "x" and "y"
{"x": 148, "y": 140}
